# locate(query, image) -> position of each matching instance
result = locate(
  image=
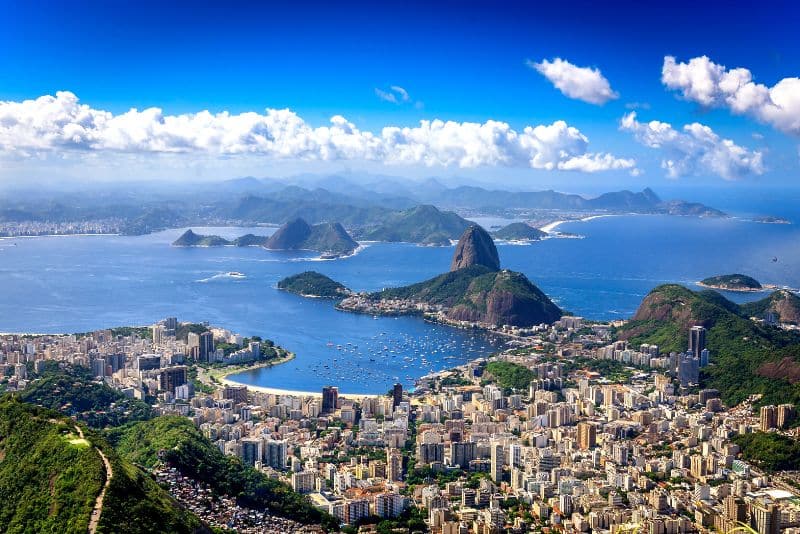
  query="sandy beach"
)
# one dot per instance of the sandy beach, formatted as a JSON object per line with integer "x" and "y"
{"x": 294, "y": 393}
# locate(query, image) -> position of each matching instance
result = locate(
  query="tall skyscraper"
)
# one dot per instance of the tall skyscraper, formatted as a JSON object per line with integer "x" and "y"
{"x": 275, "y": 454}
{"x": 171, "y": 377}
{"x": 252, "y": 450}
{"x": 206, "y": 348}
{"x": 330, "y": 399}
{"x": 697, "y": 340}
{"x": 394, "y": 465}
{"x": 397, "y": 395}
{"x": 769, "y": 417}
{"x": 587, "y": 436}
{"x": 497, "y": 462}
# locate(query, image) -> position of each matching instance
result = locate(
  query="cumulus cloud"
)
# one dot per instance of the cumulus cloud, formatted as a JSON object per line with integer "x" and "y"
{"x": 713, "y": 85}
{"x": 59, "y": 124}
{"x": 582, "y": 83}
{"x": 694, "y": 150}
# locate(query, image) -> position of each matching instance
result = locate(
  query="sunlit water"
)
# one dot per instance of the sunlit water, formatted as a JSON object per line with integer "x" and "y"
{"x": 81, "y": 283}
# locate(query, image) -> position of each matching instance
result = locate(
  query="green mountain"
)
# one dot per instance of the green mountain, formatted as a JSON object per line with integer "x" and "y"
{"x": 297, "y": 234}
{"x": 422, "y": 224}
{"x": 480, "y": 294}
{"x": 331, "y": 238}
{"x": 313, "y": 284}
{"x": 176, "y": 441}
{"x": 784, "y": 304}
{"x": 519, "y": 231}
{"x": 747, "y": 357}
{"x": 476, "y": 290}
{"x": 50, "y": 478}
{"x": 251, "y": 240}
{"x": 191, "y": 239}
{"x": 732, "y": 282}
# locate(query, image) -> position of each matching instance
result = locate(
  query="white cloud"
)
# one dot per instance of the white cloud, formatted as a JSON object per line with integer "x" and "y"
{"x": 712, "y": 85}
{"x": 395, "y": 94}
{"x": 60, "y": 125}
{"x": 695, "y": 150}
{"x": 582, "y": 83}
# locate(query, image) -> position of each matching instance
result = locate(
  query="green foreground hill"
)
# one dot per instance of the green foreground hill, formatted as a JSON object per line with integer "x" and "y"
{"x": 176, "y": 441}
{"x": 50, "y": 478}
{"x": 747, "y": 356}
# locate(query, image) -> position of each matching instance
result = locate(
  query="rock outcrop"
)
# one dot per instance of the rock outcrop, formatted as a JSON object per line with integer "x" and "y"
{"x": 475, "y": 247}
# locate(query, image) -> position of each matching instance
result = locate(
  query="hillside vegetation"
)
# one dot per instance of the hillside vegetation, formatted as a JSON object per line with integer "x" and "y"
{"x": 50, "y": 478}
{"x": 743, "y": 353}
{"x": 313, "y": 284}
{"x": 73, "y": 391}
{"x": 176, "y": 441}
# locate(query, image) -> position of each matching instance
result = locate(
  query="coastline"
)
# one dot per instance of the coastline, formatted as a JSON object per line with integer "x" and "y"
{"x": 762, "y": 289}
{"x": 551, "y": 227}
{"x": 222, "y": 379}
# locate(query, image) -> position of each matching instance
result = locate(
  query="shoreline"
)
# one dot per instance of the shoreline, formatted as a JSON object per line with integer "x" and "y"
{"x": 762, "y": 289}
{"x": 550, "y": 228}
{"x": 223, "y": 380}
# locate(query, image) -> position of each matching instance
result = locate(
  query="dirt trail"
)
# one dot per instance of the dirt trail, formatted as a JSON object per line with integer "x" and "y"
{"x": 98, "y": 504}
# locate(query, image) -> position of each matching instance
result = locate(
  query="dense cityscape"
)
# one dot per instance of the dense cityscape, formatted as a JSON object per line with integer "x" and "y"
{"x": 566, "y": 429}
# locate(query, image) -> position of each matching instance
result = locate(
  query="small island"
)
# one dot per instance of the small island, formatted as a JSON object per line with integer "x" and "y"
{"x": 329, "y": 239}
{"x": 732, "y": 282}
{"x": 315, "y": 285}
{"x": 519, "y": 231}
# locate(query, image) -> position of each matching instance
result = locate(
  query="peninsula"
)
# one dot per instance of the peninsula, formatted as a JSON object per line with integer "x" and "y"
{"x": 475, "y": 292}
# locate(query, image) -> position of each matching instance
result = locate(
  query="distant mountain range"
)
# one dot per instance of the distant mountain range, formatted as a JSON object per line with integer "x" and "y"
{"x": 421, "y": 212}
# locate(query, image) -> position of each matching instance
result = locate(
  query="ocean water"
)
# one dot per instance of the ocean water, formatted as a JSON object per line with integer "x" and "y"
{"x": 81, "y": 283}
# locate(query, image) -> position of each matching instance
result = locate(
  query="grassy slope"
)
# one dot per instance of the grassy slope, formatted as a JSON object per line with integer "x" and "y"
{"x": 49, "y": 480}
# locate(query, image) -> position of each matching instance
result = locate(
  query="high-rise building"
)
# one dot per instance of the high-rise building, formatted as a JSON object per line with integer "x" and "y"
{"x": 587, "y": 436}
{"x": 786, "y": 414}
{"x": 99, "y": 367}
{"x": 171, "y": 377}
{"x": 697, "y": 340}
{"x": 497, "y": 461}
{"x": 330, "y": 399}
{"x": 397, "y": 395}
{"x": 159, "y": 333}
{"x": 275, "y": 454}
{"x": 304, "y": 481}
{"x": 171, "y": 325}
{"x": 394, "y": 465}
{"x": 462, "y": 453}
{"x": 206, "y": 347}
{"x": 147, "y": 362}
{"x": 769, "y": 417}
{"x": 389, "y": 504}
{"x": 252, "y": 450}
{"x": 765, "y": 517}
{"x": 238, "y": 394}
{"x": 688, "y": 369}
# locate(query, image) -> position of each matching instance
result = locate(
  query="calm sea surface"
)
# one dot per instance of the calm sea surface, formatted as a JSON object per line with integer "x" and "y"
{"x": 81, "y": 283}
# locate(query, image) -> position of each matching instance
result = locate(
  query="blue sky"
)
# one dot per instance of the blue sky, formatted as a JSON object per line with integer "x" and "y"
{"x": 458, "y": 61}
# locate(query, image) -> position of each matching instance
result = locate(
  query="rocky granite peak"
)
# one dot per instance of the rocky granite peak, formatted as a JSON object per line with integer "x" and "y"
{"x": 475, "y": 247}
